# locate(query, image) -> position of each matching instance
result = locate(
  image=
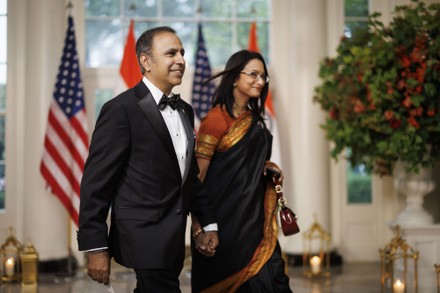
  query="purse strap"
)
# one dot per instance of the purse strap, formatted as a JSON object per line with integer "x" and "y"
{"x": 279, "y": 191}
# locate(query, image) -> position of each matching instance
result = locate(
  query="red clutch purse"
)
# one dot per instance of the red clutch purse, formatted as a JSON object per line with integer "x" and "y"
{"x": 287, "y": 218}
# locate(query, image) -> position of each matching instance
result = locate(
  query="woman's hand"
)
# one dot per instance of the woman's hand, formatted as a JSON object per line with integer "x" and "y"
{"x": 206, "y": 242}
{"x": 272, "y": 169}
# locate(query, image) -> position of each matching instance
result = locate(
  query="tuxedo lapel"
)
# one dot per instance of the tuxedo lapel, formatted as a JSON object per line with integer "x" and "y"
{"x": 149, "y": 107}
{"x": 190, "y": 135}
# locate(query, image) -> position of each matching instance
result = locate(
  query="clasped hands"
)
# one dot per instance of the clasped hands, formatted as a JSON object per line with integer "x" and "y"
{"x": 206, "y": 242}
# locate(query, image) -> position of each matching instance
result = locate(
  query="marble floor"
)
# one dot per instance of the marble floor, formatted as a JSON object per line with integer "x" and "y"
{"x": 348, "y": 278}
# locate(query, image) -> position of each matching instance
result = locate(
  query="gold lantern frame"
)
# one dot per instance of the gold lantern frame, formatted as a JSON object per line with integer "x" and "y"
{"x": 316, "y": 234}
{"x": 29, "y": 265}
{"x": 10, "y": 258}
{"x": 394, "y": 251}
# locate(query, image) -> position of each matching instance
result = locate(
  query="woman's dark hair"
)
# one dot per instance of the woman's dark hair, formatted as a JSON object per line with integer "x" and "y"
{"x": 145, "y": 42}
{"x": 223, "y": 93}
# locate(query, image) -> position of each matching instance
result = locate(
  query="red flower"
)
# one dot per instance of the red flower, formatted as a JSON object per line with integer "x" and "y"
{"x": 413, "y": 122}
{"x": 416, "y": 55}
{"x": 333, "y": 114}
{"x": 395, "y": 123}
{"x": 407, "y": 102}
{"x": 405, "y": 61}
{"x": 430, "y": 112}
{"x": 416, "y": 112}
{"x": 401, "y": 84}
{"x": 389, "y": 114}
{"x": 420, "y": 73}
{"x": 359, "y": 107}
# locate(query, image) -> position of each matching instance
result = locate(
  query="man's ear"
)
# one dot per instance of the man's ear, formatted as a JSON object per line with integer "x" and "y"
{"x": 145, "y": 61}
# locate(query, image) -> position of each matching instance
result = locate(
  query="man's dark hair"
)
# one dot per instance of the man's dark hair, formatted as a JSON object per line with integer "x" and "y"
{"x": 145, "y": 42}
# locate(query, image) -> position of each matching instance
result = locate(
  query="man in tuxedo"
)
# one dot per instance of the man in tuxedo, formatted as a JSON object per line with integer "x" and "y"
{"x": 141, "y": 164}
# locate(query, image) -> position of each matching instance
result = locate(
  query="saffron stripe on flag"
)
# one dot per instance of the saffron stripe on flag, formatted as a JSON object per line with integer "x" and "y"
{"x": 66, "y": 140}
{"x": 269, "y": 108}
{"x": 129, "y": 69}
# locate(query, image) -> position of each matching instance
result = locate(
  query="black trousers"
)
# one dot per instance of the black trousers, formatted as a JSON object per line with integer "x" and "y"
{"x": 156, "y": 281}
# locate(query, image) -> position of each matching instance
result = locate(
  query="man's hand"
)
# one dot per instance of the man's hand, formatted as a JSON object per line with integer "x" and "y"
{"x": 206, "y": 243}
{"x": 210, "y": 241}
{"x": 98, "y": 266}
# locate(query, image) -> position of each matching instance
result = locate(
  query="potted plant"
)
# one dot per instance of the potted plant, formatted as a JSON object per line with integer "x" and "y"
{"x": 381, "y": 92}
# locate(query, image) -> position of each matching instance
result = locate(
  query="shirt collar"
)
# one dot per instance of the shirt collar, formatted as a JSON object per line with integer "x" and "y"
{"x": 155, "y": 92}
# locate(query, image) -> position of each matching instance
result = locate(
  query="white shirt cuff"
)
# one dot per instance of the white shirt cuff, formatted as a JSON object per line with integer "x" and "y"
{"x": 95, "y": 249}
{"x": 211, "y": 227}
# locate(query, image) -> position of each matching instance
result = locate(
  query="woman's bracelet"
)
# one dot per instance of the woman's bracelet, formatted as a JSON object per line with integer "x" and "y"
{"x": 196, "y": 232}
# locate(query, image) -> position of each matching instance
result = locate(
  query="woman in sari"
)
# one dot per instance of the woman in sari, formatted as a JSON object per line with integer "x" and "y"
{"x": 233, "y": 150}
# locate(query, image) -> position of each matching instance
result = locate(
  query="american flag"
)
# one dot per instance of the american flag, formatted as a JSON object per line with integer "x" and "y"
{"x": 66, "y": 141}
{"x": 201, "y": 92}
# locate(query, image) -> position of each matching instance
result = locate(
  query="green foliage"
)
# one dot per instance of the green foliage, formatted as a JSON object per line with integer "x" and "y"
{"x": 382, "y": 91}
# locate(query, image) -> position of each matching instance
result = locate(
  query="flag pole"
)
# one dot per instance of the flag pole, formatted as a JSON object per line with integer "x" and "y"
{"x": 69, "y": 247}
{"x": 68, "y": 87}
{"x": 69, "y": 264}
{"x": 69, "y": 269}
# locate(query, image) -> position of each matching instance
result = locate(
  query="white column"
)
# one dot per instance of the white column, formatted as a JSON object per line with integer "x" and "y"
{"x": 299, "y": 42}
{"x": 45, "y": 221}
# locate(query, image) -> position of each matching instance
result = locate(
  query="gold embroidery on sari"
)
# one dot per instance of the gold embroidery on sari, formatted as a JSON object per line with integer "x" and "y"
{"x": 263, "y": 252}
{"x": 206, "y": 145}
{"x": 235, "y": 133}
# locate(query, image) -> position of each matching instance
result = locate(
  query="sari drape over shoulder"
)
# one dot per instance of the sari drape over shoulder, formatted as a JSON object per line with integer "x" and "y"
{"x": 244, "y": 200}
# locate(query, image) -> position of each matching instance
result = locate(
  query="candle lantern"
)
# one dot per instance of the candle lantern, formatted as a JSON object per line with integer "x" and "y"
{"x": 316, "y": 255}
{"x": 398, "y": 266}
{"x": 10, "y": 258}
{"x": 29, "y": 265}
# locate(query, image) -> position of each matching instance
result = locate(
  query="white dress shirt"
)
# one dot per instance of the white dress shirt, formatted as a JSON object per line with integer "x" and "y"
{"x": 178, "y": 134}
{"x": 174, "y": 124}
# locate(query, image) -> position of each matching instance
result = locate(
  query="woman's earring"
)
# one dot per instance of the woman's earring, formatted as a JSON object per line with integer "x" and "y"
{"x": 234, "y": 84}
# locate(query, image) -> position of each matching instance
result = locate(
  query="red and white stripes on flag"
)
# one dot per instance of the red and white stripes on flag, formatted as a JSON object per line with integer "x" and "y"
{"x": 66, "y": 141}
{"x": 269, "y": 108}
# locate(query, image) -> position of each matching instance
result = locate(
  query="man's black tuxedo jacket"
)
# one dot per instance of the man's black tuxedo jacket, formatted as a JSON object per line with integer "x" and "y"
{"x": 132, "y": 167}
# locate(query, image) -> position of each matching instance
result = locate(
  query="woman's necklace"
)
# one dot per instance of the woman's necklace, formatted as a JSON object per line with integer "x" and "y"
{"x": 237, "y": 111}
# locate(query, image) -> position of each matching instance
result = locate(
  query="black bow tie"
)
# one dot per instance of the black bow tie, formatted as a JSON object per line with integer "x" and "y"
{"x": 172, "y": 102}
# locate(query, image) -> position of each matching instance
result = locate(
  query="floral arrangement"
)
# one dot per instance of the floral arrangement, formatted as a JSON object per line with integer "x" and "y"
{"x": 382, "y": 92}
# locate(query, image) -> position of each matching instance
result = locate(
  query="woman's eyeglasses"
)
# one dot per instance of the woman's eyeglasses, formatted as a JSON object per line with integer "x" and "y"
{"x": 256, "y": 76}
